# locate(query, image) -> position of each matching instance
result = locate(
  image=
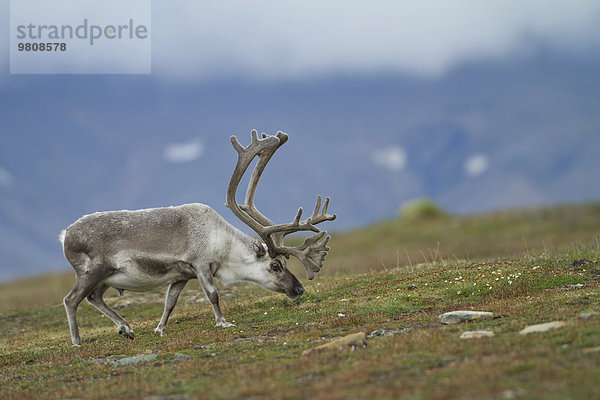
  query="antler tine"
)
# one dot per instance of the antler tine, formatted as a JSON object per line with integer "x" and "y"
{"x": 316, "y": 217}
{"x": 319, "y": 215}
{"x": 254, "y": 136}
{"x": 297, "y": 217}
{"x": 326, "y": 206}
{"x": 236, "y": 144}
{"x": 317, "y": 208}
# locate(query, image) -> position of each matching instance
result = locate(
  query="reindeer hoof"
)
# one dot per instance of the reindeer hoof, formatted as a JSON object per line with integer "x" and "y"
{"x": 127, "y": 332}
{"x": 159, "y": 332}
{"x": 225, "y": 324}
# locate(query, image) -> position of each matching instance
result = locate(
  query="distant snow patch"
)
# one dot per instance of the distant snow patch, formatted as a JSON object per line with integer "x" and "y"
{"x": 184, "y": 151}
{"x": 6, "y": 178}
{"x": 392, "y": 158}
{"x": 476, "y": 165}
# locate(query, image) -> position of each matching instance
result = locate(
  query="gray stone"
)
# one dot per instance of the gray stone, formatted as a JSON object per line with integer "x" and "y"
{"x": 476, "y": 334}
{"x": 542, "y": 327}
{"x": 173, "y": 396}
{"x": 140, "y": 358}
{"x": 389, "y": 332}
{"x": 352, "y": 341}
{"x": 116, "y": 361}
{"x": 180, "y": 357}
{"x": 512, "y": 393}
{"x": 576, "y": 286}
{"x": 591, "y": 350}
{"x": 455, "y": 317}
{"x": 206, "y": 346}
{"x": 588, "y": 315}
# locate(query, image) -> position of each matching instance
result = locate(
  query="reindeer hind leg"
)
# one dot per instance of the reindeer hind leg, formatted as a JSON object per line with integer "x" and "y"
{"x": 96, "y": 299}
{"x": 170, "y": 300}
{"x": 89, "y": 275}
{"x": 82, "y": 288}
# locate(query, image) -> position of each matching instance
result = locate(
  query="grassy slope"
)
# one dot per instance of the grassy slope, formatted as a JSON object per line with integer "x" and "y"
{"x": 505, "y": 233}
{"x": 261, "y": 357}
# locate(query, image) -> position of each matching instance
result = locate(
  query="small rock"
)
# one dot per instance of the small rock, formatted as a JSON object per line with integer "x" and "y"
{"x": 354, "y": 340}
{"x": 476, "y": 334}
{"x": 206, "y": 346}
{"x": 591, "y": 350}
{"x": 542, "y": 327}
{"x": 173, "y": 396}
{"x": 180, "y": 357}
{"x": 512, "y": 393}
{"x": 576, "y": 286}
{"x": 389, "y": 332}
{"x": 454, "y": 317}
{"x": 140, "y": 358}
{"x": 115, "y": 361}
{"x": 588, "y": 315}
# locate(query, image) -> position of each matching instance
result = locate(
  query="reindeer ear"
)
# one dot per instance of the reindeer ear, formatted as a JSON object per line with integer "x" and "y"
{"x": 259, "y": 249}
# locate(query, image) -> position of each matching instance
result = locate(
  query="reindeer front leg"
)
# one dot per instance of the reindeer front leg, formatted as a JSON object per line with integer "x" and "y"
{"x": 206, "y": 281}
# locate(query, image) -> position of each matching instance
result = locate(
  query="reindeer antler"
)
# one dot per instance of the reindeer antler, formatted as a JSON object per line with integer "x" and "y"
{"x": 314, "y": 249}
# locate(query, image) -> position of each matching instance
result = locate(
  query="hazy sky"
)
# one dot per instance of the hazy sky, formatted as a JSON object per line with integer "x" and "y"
{"x": 299, "y": 39}
{"x": 503, "y": 111}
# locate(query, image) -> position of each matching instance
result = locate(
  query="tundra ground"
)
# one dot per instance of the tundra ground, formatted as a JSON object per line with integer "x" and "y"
{"x": 262, "y": 356}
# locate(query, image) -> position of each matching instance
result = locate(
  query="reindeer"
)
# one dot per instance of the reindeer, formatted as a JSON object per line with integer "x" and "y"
{"x": 148, "y": 249}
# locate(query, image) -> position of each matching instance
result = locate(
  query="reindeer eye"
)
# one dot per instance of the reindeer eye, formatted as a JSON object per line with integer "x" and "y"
{"x": 276, "y": 266}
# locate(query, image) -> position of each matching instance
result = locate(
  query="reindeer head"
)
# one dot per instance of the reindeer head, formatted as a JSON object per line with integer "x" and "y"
{"x": 314, "y": 249}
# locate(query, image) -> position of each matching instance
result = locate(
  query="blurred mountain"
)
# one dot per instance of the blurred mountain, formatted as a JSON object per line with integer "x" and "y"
{"x": 484, "y": 136}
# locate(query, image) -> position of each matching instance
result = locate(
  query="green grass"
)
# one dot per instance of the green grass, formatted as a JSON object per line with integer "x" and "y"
{"x": 262, "y": 356}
